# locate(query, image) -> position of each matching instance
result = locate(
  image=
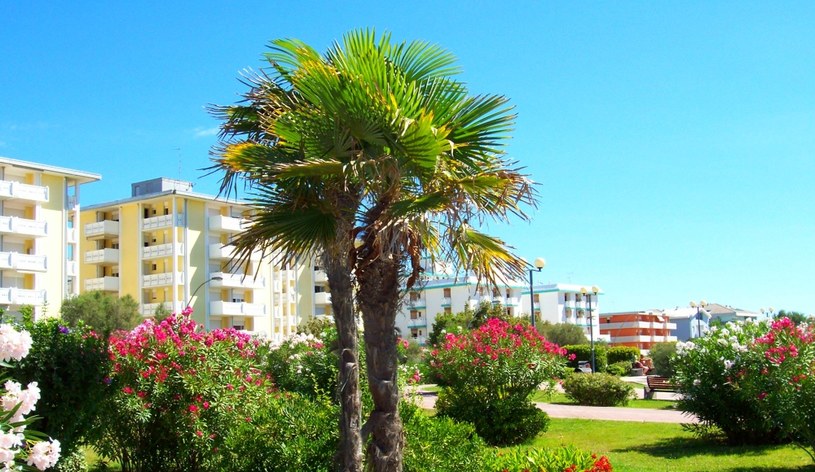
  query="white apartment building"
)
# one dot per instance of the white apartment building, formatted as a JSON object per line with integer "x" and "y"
{"x": 39, "y": 247}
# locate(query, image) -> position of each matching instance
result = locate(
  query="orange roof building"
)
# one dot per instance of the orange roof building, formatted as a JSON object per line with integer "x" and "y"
{"x": 640, "y": 329}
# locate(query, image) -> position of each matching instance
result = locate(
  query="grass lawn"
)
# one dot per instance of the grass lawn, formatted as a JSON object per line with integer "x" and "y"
{"x": 562, "y": 399}
{"x": 661, "y": 447}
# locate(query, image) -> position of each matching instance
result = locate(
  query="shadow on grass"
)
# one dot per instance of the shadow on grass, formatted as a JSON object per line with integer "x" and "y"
{"x": 675, "y": 448}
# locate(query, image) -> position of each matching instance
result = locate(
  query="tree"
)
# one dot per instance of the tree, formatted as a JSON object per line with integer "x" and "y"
{"x": 795, "y": 316}
{"x": 104, "y": 312}
{"x": 374, "y": 157}
{"x": 468, "y": 319}
{"x": 563, "y": 334}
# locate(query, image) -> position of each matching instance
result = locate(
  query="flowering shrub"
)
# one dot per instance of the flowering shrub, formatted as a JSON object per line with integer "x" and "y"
{"x": 489, "y": 375}
{"x": 177, "y": 393}
{"x": 712, "y": 374}
{"x": 20, "y": 446}
{"x": 306, "y": 363}
{"x": 565, "y": 459}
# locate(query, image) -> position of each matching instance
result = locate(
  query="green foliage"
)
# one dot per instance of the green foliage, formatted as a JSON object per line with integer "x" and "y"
{"x": 597, "y": 389}
{"x": 316, "y": 326}
{"x": 307, "y": 364}
{"x": 70, "y": 366}
{"x": 582, "y": 352}
{"x": 161, "y": 313}
{"x": 619, "y": 369}
{"x": 102, "y": 311}
{"x": 661, "y": 355}
{"x": 72, "y": 462}
{"x": 439, "y": 444}
{"x": 457, "y": 323}
{"x": 563, "y": 334}
{"x": 545, "y": 460}
{"x": 796, "y": 317}
{"x": 288, "y": 432}
{"x": 623, "y": 354}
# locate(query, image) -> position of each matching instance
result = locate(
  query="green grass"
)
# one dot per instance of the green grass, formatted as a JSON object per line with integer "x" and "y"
{"x": 95, "y": 463}
{"x": 661, "y": 447}
{"x": 561, "y": 399}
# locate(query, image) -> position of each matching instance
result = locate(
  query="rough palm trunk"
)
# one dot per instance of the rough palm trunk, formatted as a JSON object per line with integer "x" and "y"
{"x": 378, "y": 299}
{"x": 338, "y": 270}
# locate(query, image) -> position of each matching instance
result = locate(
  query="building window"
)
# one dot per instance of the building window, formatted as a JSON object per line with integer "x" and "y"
{"x": 565, "y": 297}
{"x": 447, "y": 293}
{"x": 415, "y": 314}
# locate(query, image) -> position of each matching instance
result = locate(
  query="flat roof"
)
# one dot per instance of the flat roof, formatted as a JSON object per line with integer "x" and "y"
{"x": 81, "y": 176}
{"x": 150, "y": 196}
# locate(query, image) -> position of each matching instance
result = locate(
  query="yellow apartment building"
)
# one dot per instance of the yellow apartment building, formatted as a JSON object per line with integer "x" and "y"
{"x": 168, "y": 246}
{"x": 39, "y": 245}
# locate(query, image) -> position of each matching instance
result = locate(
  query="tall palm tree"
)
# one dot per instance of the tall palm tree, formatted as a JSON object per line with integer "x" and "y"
{"x": 375, "y": 157}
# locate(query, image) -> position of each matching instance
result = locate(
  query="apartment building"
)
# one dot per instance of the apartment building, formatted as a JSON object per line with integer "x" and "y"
{"x": 39, "y": 247}
{"x": 640, "y": 329}
{"x": 167, "y": 246}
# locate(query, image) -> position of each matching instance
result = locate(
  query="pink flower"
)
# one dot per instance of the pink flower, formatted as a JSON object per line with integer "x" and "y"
{"x": 128, "y": 389}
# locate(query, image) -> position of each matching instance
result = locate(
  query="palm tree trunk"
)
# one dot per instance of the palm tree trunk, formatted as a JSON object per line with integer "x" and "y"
{"x": 378, "y": 299}
{"x": 349, "y": 454}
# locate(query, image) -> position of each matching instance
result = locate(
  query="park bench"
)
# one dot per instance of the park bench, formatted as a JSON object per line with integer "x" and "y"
{"x": 655, "y": 383}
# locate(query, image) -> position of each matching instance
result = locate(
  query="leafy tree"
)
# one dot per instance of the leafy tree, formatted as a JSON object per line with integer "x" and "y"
{"x": 795, "y": 316}
{"x": 373, "y": 156}
{"x": 563, "y": 334}
{"x": 468, "y": 319}
{"x": 103, "y": 312}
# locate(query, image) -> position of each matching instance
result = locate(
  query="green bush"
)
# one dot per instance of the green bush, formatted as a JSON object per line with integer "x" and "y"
{"x": 545, "y": 460}
{"x": 288, "y": 432}
{"x": 619, "y": 369}
{"x": 623, "y": 354}
{"x": 439, "y": 444}
{"x": 661, "y": 355}
{"x": 597, "y": 389}
{"x": 306, "y": 364}
{"x": 582, "y": 352}
{"x": 563, "y": 334}
{"x": 70, "y": 366}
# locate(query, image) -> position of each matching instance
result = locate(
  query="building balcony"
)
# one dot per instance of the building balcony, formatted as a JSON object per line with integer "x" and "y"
{"x": 162, "y": 250}
{"x": 417, "y": 323}
{"x": 288, "y": 297}
{"x": 163, "y": 279}
{"x": 70, "y": 236}
{"x": 221, "y": 252}
{"x": 105, "y": 284}
{"x": 287, "y": 275}
{"x": 106, "y": 256}
{"x": 236, "y": 281}
{"x": 34, "y": 193}
{"x": 162, "y": 221}
{"x": 23, "y": 262}
{"x": 102, "y": 229}
{"x": 446, "y": 301}
{"x": 23, "y": 226}
{"x": 21, "y": 296}
{"x": 417, "y": 304}
{"x": 228, "y": 224}
{"x": 71, "y": 269}
{"x": 320, "y": 277}
{"x": 221, "y": 308}
{"x": 322, "y": 298}
{"x": 642, "y": 339}
{"x": 149, "y": 309}
{"x": 644, "y": 325}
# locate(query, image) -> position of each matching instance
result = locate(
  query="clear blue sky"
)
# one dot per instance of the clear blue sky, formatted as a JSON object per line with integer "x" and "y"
{"x": 674, "y": 143}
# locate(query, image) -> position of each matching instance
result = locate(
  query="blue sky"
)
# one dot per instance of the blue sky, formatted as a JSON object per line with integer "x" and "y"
{"x": 674, "y": 143}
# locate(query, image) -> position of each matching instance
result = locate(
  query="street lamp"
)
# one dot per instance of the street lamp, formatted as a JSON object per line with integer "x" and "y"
{"x": 768, "y": 312}
{"x": 595, "y": 290}
{"x": 699, "y": 306}
{"x": 214, "y": 277}
{"x": 539, "y": 264}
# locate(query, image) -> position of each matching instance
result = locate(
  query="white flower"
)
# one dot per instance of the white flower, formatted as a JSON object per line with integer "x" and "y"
{"x": 44, "y": 454}
{"x": 696, "y": 382}
{"x": 728, "y": 364}
{"x": 14, "y": 345}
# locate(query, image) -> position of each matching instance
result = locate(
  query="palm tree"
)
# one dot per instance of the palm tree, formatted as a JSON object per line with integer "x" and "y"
{"x": 374, "y": 157}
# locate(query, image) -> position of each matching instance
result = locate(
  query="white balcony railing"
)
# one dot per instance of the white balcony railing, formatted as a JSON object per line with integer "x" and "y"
{"x": 322, "y": 298}
{"x": 219, "y": 251}
{"x": 320, "y": 277}
{"x": 70, "y": 235}
{"x": 72, "y": 269}
{"x": 162, "y": 250}
{"x": 162, "y": 279}
{"x": 228, "y": 224}
{"x": 23, "y": 226}
{"x": 237, "y": 281}
{"x": 162, "y": 221}
{"x": 287, "y": 297}
{"x": 102, "y": 229}
{"x": 23, "y": 262}
{"x": 10, "y": 189}
{"x": 221, "y": 308}
{"x": 106, "y": 284}
{"x": 149, "y": 309}
{"x": 21, "y": 296}
{"x": 102, "y": 256}
{"x": 642, "y": 325}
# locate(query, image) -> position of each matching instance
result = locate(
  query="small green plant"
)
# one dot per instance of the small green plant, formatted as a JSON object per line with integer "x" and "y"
{"x": 439, "y": 444}
{"x": 597, "y": 389}
{"x": 628, "y": 354}
{"x": 619, "y": 369}
{"x": 661, "y": 355}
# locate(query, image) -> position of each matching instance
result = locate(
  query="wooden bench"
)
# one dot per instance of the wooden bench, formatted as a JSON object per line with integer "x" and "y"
{"x": 655, "y": 383}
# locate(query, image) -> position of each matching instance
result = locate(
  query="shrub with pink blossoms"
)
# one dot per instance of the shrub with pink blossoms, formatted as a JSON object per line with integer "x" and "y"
{"x": 178, "y": 392}
{"x": 489, "y": 374}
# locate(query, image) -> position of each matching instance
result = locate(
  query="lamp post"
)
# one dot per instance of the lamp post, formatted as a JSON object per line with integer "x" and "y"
{"x": 698, "y": 307}
{"x": 539, "y": 264}
{"x": 206, "y": 312}
{"x": 595, "y": 290}
{"x": 768, "y": 312}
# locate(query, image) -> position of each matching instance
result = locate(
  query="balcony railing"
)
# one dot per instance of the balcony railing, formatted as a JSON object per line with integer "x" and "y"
{"x": 228, "y": 224}
{"x": 149, "y": 309}
{"x": 162, "y": 279}
{"x": 287, "y": 297}
{"x": 21, "y": 296}
{"x": 23, "y": 226}
{"x": 71, "y": 269}
{"x": 322, "y": 298}
{"x": 221, "y": 308}
{"x": 10, "y": 189}
{"x": 162, "y": 221}
{"x": 70, "y": 235}
{"x": 106, "y": 284}
{"x": 237, "y": 281}
{"x": 23, "y": 262}
{"x": 102, "y": 229}
{"x": 161, "y": 250}
{"x": 219, "y": 251}
{"x": 106, "y": 256}
{"x": 320, "y": 277}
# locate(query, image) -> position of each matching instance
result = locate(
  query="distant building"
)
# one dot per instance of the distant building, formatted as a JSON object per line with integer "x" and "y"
{"x": 641, "y": 329}
{"x": 727, "y": 313}
{"x": 690, "y": 322}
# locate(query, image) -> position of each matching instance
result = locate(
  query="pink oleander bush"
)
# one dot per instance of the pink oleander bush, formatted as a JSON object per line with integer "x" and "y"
{"x": 562, "y": 459}
{"x": 489, "y": 375}
{"x": 177, "y": 392}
